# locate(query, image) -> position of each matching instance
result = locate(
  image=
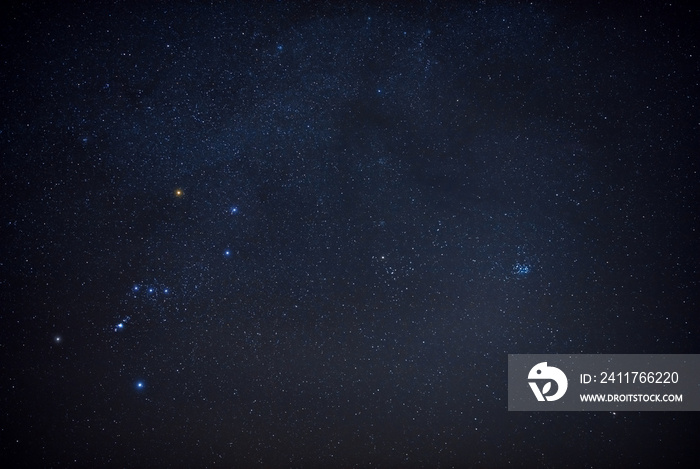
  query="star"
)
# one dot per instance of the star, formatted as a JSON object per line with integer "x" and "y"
{"x": 121, "y": 324}
{"x": 233, "y": 210}
{"x": 227, "y": 253}
{"x": 521, "y": 269}
{"x": 140, "y": 385}
{"x": 178, "y": 193}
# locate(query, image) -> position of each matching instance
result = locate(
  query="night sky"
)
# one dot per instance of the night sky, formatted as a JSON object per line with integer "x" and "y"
{"x": 309, "y": 234}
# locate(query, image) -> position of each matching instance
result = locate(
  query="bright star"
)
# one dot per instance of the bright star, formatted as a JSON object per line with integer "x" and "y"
{"x": 140, "y": 385}
{"x": 178, "y": 192}
{"x": 233, "y": 210}
{"x": 227, "y": 253}
{"x": 521, "y": 269}
{"x": 121, "y": 324}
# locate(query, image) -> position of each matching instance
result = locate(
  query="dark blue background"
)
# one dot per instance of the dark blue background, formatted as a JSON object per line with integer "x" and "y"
{"x": 420, "y": 189}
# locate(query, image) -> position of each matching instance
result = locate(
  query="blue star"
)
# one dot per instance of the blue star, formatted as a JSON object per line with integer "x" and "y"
{"x": 233, "y": 210}
{"x": 140, "y": 385}
{"x": 227, "y": 253}
{"x": 166, "y": 291}
{"x": 135, "y": 288}
{"x": 150, "y": 290}
{"x": 521, "y": 269}
{"x": 121, "y": 325}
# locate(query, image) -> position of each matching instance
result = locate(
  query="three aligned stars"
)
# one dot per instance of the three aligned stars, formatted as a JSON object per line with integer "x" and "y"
{"x": 178, "y": 193}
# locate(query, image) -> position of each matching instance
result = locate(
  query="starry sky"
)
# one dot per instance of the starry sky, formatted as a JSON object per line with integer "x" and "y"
{"x": 305, "y": 234}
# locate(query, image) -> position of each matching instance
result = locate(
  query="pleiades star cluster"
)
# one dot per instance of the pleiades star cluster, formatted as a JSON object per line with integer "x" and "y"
{"x": 308, "y": 234}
